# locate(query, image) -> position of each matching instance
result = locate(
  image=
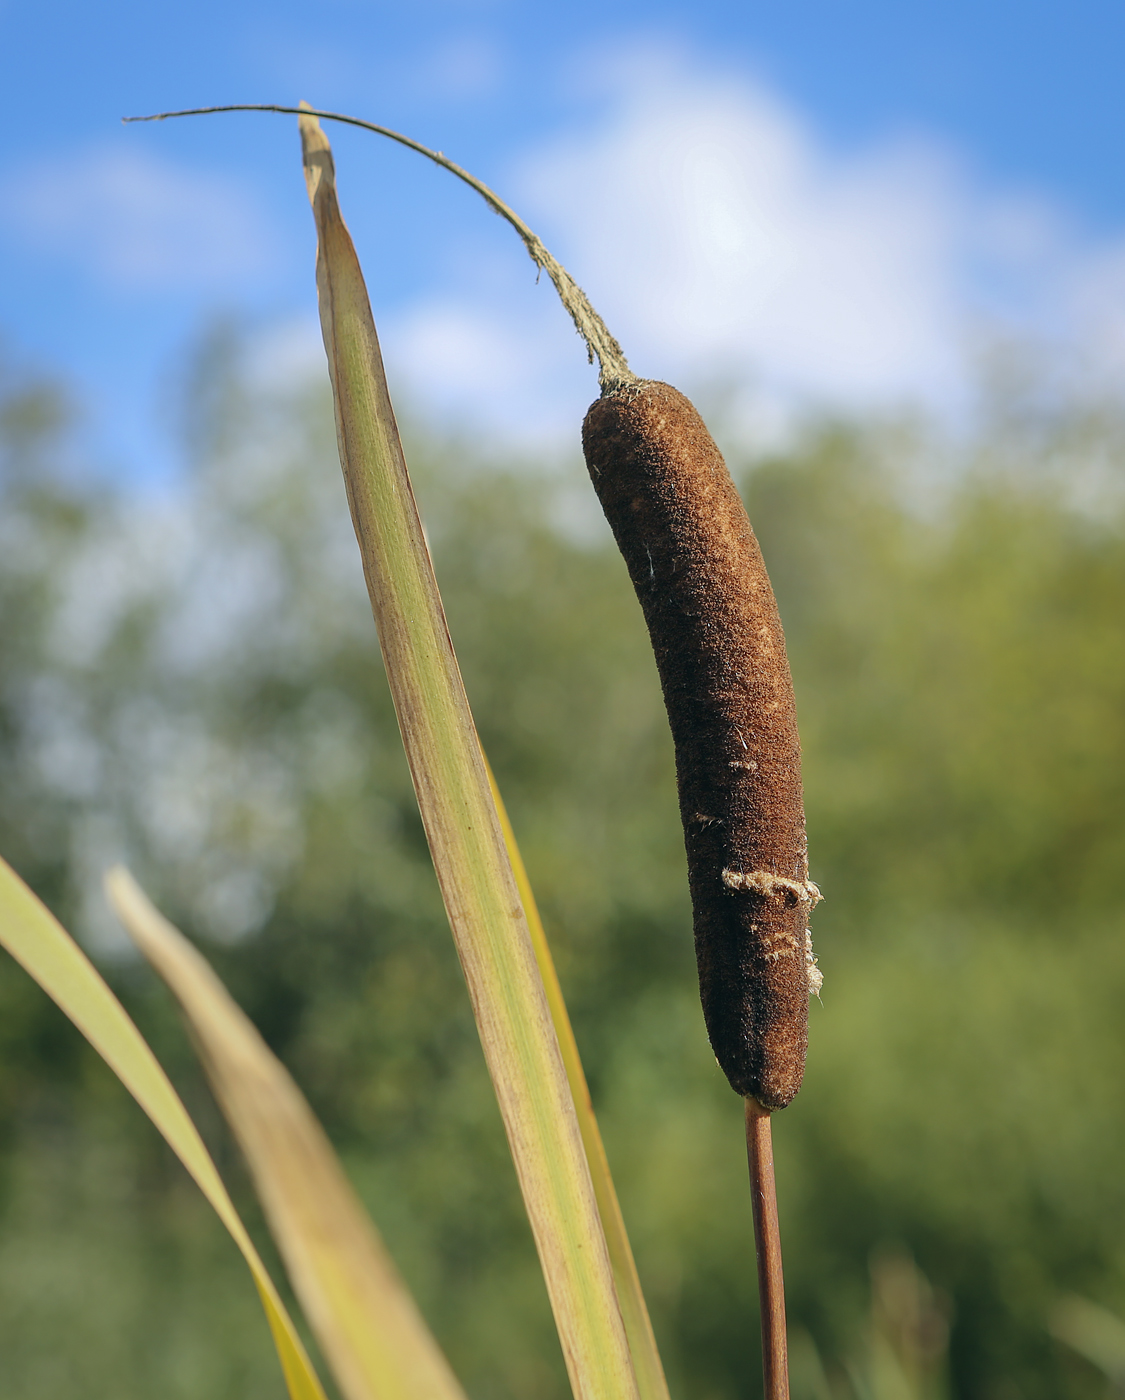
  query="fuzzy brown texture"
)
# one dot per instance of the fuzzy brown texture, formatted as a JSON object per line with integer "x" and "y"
{"x": 720, "y": 651}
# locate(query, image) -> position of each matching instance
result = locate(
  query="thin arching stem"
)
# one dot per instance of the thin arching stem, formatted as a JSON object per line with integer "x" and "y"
{"x": 612, "y": 366}
{"x": 767, "y": 1243}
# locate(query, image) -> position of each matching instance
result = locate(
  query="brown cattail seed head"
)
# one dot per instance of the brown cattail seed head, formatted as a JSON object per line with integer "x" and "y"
{"x": 720, "y": 651}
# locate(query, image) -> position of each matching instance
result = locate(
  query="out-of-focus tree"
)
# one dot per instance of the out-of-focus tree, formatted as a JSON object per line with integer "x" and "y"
{"x": 190, "y": 680}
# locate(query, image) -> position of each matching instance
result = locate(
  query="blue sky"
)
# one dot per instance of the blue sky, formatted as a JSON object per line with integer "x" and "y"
{"x": 815, "y": 202}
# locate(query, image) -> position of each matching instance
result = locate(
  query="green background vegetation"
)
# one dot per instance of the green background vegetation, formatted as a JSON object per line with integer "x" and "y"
{"x": 192, "y": 682}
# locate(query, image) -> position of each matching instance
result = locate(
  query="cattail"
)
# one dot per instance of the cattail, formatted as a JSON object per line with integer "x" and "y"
{"x": 720, "y": 652}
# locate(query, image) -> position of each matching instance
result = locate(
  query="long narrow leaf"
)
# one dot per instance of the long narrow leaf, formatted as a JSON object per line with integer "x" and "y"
{"x": 460, "y": 818}
{"x": 651, "y": 1381}
{"x": 40, "y": 944}
{"x": 372, "y": 1335}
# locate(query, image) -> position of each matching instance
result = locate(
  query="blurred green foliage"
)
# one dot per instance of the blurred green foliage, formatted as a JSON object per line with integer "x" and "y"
{"x": 190, "y": 681}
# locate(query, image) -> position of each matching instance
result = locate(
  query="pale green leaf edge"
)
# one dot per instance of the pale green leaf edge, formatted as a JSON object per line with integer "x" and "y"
{"x": 651, "y": 1381}
{"x": 44, "y": 949}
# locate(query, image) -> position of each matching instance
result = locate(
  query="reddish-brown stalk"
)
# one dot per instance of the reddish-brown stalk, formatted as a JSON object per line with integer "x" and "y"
{"x": 767, "y": 1243}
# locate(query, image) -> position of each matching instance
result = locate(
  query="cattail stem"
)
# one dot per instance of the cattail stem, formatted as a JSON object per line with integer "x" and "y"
{"x": 767, "y": 1245}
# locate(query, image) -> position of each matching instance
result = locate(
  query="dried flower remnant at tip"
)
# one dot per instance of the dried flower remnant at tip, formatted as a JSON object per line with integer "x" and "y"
{"x": 720, "y": 651}
{"x": 613, "y": 370}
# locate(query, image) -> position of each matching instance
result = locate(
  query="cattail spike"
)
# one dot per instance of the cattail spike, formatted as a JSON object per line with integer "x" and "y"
{"x": 720, "y": 651}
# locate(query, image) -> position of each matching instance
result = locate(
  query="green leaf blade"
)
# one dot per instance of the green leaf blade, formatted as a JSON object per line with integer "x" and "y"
{"x": 474, "y": 872}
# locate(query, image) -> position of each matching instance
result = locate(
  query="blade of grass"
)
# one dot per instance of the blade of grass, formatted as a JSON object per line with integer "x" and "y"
{"x": 651, "y": 1381}
{"x": 372, "y": 1334}
{"x": 40, "y": 944}
{"x": 460, "y": 819}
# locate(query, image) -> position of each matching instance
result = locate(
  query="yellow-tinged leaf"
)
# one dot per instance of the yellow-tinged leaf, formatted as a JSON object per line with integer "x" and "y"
{"x": 651, "y": 1381}
{"x": 365, "y": 1320}
{"x": 462, "y": 826}
{"x": 41, "y": 945}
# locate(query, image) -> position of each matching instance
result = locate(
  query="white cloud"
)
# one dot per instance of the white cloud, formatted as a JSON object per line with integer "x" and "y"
{"x": 139, "y": 223}
{"x": 725, "y": 240}
{"x": 466, "y": 364}
{"x": 725, "y": 237}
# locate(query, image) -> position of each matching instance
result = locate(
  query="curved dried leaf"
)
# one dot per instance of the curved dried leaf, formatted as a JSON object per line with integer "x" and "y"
{"x": 371, "y": 1332}
{"x": 40, "y": 944}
